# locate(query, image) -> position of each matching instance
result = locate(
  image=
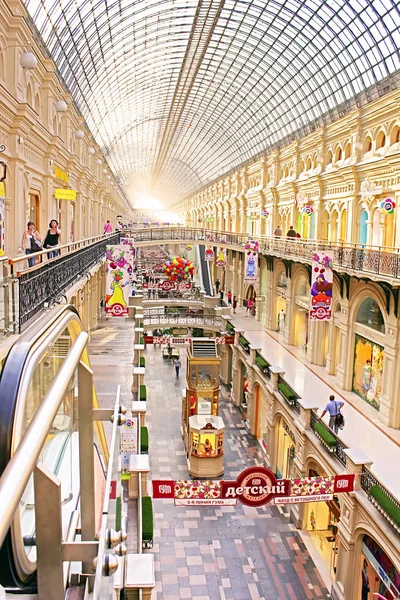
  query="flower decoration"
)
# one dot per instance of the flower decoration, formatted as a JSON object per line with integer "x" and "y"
{"x": 178, "y": 269}
{"x": 265, "y": 213}
{"x": 251, "y": 246}
{"x": 307, "y": 210}
{"x": 388, "y": 206}
{"x": 188, "y": 248}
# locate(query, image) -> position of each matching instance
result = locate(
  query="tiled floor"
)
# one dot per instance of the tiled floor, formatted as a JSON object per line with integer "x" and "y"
{"x": 205, "y": 552}
{"x": 363, "y": 429}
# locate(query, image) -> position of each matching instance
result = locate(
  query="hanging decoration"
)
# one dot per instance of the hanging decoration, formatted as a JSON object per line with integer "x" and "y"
{"x": 178, "y": 269}
{"x": 209, "y": 254}
{"x": 188, "y": 248}
{"x": 307, "y": 210}
{"x": 321, "y": 286}
{"x": 118, "y": 276}
{"x": 221, "y": 258}
{"x": 264, "y": 213}
{"x": 251, "y": 261}
{"x": 388, "y": 206}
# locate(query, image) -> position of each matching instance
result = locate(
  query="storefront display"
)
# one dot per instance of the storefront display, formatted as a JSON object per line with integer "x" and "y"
{"x": 367, "y": 370}
{"x": 205, "y": 448}
{"x": 286, "y": 451}
{"x": 378, "y": 575}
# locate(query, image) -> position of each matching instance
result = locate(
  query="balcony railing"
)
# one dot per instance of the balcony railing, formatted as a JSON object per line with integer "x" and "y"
{"x": 27, "y": 292}
{"x": 288, "y": 393}
{"x": 369, "y": 259}
{"x": 244, "y": 344}
{"x": 381, "y": 498}
{"x": 329, "y": 439}
{"x": 182, "y": 317}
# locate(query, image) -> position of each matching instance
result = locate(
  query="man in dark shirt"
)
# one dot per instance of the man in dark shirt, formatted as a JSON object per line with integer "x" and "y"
{"x": 291, "y": 233}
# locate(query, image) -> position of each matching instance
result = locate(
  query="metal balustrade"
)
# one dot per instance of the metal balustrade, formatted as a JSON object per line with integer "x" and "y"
{"x": 182, "y": 317}
{"x": 338, "y": 448}
{"x": 381, "y": 498}
{"x": 358, "y": 258}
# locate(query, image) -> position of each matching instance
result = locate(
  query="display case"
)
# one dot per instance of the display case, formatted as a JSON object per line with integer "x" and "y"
{"x": 206, "y": 446}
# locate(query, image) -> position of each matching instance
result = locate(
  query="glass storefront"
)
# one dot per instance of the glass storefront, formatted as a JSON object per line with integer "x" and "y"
{"x": 367, "y": 370}
{"x": 378, "y": 575}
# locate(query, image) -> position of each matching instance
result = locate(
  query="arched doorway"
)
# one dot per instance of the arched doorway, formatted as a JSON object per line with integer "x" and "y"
{"x": 333, "y": 226}
{"x": 34, "y": 209}
{"x": 343, "y": 226}
{"x": 376, "y": 229}
{"x": 280, "y": 311}
{"x": 377, "y": 572}
{"x": 260, "y": 415}
{"x": 369, "y": 352}
{"x": 301, "y": 314}
{"x": 285, "y": 449}
{"x": 362, "y": 233}
{"x": 243, "y": 389}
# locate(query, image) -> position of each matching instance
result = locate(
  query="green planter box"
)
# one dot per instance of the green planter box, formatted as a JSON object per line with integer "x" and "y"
{"x": 243, "y": 342}
{"x": 262, "y": 363}
{"x": 142, "y": 392}
{"x": 287, "y": 392}
{"x": 141, "y": 324}
{"x": 118, "y": 513}
{"x": 147, "y": 519}
{"x": 144, "y": 440}
{"x": 230, "y": 328}
{"x": 387, "y": 505}
{"x": 325, "y": 435}
{"x": 142, "y": 361}
{"x": 141, "y": 341}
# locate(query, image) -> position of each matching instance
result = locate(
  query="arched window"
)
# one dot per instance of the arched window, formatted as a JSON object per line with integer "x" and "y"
{"x": 308, "y": 164}
{"x": 282, "y": 280}
{"x": 303, "y": 289}
{"x": 370, "y": 314}
{"x": 339, "y": 154}
{"x": 347, "y": 151}
{"x": 367, "y": 144}
{"x": 395, "y": 136}
{"x": 380, "y": 140}
{"x": 329, "y": 157}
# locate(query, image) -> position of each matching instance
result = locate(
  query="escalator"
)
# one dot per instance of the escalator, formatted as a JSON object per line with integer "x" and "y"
{"x": 29, "y": 369}
{"x": 204, "y": 271}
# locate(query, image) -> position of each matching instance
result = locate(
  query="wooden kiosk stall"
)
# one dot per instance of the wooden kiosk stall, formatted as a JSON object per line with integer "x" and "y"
{"x": 202, "y": 428}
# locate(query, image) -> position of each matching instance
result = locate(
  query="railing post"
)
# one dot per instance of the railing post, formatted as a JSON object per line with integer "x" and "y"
{"x": 306, "y": 408}
{"x": 275, "y": 373}
{"x": 356, "y": 460}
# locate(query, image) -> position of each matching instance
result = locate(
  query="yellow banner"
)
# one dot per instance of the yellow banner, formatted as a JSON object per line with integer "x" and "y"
{"x": 60, "y": 174}
{"x": 2, "y": 190}
{"x": 62, "y": 194}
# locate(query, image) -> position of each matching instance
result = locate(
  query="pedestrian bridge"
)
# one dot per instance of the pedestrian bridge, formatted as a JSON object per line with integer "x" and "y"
{"x": 169, "y": 317}
{"x": 379, "y": 263}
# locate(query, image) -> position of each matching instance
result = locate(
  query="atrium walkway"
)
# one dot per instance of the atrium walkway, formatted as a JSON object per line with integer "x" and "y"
{"x": 363, "y": 430}
{"x": 225, "y": 553}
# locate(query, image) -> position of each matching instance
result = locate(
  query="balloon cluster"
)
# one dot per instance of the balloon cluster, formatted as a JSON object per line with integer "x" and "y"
{"x": 388, "y": 206}
{"x": 307, "y": 210}
{"x": 178, "y": 269}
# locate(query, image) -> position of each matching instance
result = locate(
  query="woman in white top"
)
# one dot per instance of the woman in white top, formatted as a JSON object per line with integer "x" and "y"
{"x": 31, "y": 242}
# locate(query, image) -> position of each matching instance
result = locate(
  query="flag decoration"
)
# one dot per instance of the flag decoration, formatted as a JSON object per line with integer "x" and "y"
{"x": 265, "y": 213}
{"x": 321, "y": 286}
{"x": 307, "y": 210}
{"x": 388, "y": 206}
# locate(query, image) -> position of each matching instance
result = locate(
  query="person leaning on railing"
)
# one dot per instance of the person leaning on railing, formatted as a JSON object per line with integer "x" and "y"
{"x": 52, "y": 238}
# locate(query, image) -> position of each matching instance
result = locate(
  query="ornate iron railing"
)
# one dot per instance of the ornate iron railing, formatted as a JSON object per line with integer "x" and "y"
{"x": 377, "y": 260}
{"x": 44, "y": 285}
{"x": 381, "y": 498}
{"x": 168, "y": 316}
{"x": 339, "y": 447}
{"x": 263, "y": 365}
{"x": 244, "y": 344}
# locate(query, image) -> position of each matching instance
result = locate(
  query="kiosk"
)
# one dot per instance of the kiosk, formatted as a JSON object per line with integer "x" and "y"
{"x": 206, "y": 443}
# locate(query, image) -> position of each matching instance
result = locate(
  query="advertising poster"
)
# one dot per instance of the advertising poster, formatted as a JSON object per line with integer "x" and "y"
{"x": 221, "y": 258}
{"x": 209, "y": 254}
{"x": 251, "y": 262}
{"x": 128, "y": 441}
{"x": 1, "y": 226}
{"x": 118, "y": 279}
{"x": 321, "y": 286}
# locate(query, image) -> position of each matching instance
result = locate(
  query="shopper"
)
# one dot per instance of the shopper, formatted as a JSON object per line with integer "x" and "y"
{"x": 31, "y": 242}
{"x": 221, "y": 297}
{"x": 217, "y": 284}
{"x": 230, "y": 298}
{"x": 253, "y": 307}
{"x": 177, "y": 365}
{"x": 52, "y": 239}
{"x": 335, "y": 417}
{"x": 249, "y": 305}
{"x": 291, "y": 233}
{"x": 365, "y": 581}
{"x": 278, "y": 231}
{"x": 107, "y": 228}
{"x": 234, "y": 304}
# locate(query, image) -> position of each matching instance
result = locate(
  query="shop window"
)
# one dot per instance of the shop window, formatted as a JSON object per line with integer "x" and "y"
{"x": 370, "y": 314}
{"x": 380, "y": 140}
{"x": 282, "y": 281}
{"x": 367, "y": 370}
{"x": 303, "y": 289}
{"x": 377, "y": 572}
{"x": 395, "y": 136}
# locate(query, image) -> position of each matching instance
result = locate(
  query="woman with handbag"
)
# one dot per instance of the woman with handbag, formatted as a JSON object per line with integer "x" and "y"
{"x": 52, "y": 238}
{"x": 31, "y": 242}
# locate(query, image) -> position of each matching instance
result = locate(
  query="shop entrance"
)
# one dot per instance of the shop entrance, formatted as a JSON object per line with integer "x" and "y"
{"x": 321, "y": 522}
{"x": 260, "y": 415}
{"x": 286, "y": 450}
{"x": 34, "y": 209}
{"x": 301, "y": 328}
{"x": 243, "y": 390}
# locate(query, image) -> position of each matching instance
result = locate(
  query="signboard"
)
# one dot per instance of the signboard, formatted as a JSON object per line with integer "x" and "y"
{"x": 251, "y": 262}
{"x": 2, "y": 214}
{"x": 221, "y": 258}
{"x": 255, "y": 486}
{"x": 62, "y": 194}
{"x": 128, "y": 441}
{"x": 321, "y": 286}
{"x": 118, "y": 278}
{"x": 61, "y": 175}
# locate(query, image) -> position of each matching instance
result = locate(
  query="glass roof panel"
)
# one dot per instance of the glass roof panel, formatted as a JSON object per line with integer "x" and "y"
{"x": 177, "y": 92}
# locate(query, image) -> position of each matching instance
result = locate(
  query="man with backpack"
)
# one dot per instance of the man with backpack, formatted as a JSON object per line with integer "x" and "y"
{"x": 336, "y": 419}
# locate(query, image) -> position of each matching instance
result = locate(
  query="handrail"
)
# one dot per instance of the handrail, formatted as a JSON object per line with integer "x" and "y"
{"x": 18, "y": 471}
{"x": 368, "y": 481}
{"x": 71, "y": 246}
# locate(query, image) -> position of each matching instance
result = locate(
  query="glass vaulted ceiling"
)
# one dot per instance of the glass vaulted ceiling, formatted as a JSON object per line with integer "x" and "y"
{"x": 177, "y": 92}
